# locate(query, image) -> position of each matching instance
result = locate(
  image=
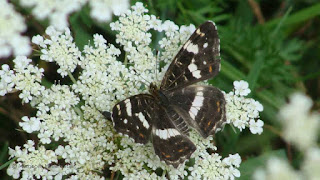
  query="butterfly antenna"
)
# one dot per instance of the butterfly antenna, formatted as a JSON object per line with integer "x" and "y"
{"x": 142, "y": 78}
{"x": 156, "y": 70}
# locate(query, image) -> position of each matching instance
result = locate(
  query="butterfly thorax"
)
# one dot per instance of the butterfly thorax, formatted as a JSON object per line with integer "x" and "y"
{"x": 158, "y": 95}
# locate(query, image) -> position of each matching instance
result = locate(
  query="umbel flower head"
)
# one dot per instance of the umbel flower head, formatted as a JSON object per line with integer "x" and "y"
{"x": 69, "y": 115}
{"x": 301, "y": 129}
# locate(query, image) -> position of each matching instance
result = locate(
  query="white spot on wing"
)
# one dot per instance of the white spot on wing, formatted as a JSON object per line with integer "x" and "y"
{"x": 193, "y": 48}
{"x": 205, "y": 45}
{"x": 166, "y": 133}
{"x": 125, "y": 121}
{"x": 200, "y": 33}
{"x": 196, "y": 74}
{"x": 119, "y": 110}
{"x": 192, "y": 67}
{"x": 193, "y": 112}
{"x": 142, "y": 118}
{"x": 128, "y": 107}
{"x": 196, "y": 104}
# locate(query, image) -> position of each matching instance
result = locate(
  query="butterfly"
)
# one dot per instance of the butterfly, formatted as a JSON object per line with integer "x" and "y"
{"x": 166, "y": 115}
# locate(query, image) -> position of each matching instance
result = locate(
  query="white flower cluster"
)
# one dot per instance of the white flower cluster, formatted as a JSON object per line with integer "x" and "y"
{"x": 11, "y": 27}
{"x": 243, "y": 112}
{"x": 212, "y": 166}
{"x": 132, "y": 162}
{"x": 69, "y": 114}
{"x": 102, "y": 10}
{"x": 300, "y": 127}
{"x": 58, "y": 11}
{"x": 59, "y": 48}
{"x": 297, "y": 120}
{"x": 24, "y": 77}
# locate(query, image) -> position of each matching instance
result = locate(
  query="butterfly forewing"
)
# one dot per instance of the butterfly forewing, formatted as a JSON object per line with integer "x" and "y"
{"x": 134, "y": 116}
{"x": 203, "y": 107}
{"x": 197, "y": 60}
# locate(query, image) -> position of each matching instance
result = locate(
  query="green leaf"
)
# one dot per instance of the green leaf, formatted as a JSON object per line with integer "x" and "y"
{"x": 298, "y": 17}
{"x": 248, "y": 167}
{"x": 80, "y": 31}
{"x": 255, "y": 70}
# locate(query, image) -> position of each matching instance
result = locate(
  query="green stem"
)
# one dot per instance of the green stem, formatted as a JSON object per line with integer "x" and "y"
{"x": 7, "y": 163}
{"x": 151, "y": 7}
{"x": 78, "y": 111}
{"x": 72, "y": 78}
{"x": 125, "y": 59}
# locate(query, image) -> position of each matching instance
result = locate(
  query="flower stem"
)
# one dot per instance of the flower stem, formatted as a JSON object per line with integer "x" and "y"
{"x": 8, "y": 163}
{"x": 78, "y": 111}
{"x": 71, "y": 77}
{"x": 272, "y": 129}
{"x": 125, "y": 59}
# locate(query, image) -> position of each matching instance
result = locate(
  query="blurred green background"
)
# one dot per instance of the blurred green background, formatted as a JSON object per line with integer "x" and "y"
{"x": 274, "y": 45}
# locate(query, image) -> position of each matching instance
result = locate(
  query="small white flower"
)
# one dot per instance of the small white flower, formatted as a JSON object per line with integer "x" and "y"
{"x": 29, "y": 146}
{"x": 241, "y": 88}
{"x": 14, "y": 170}
{"x": 258, "y": 106}
{"x": 6, "y": 80}
{"x": 234, "y": 159}
{"x": 235, "y": 172}
{"x": 30, "y": 125}
{"x": 240, "y": 124}
{"x": 45, "y": 137}
{"x": 256, "y": 126}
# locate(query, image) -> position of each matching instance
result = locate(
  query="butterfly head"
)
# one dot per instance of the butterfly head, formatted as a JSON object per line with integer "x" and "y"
{"x": 158, "y": 94}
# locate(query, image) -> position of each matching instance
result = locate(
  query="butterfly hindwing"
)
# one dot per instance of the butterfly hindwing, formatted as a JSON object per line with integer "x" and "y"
{"x": 134, "y": 116}
{"x": 170, "y": 144}
{"x": 197, "y": 60}
{"x": 203, "y": 107}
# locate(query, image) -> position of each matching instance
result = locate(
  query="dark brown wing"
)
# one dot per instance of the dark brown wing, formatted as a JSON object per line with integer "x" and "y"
{"x": 134, "y": 117}
{"x": 170, "y": 144}
{"x": 203, "y": 107}
{"x": 197, "y": 60}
